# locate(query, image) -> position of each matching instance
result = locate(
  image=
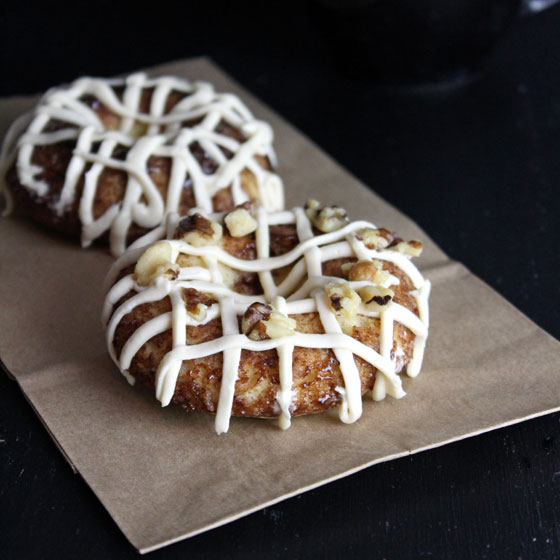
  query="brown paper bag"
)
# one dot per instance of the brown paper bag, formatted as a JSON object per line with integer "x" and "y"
{"x": 164, "y": 475}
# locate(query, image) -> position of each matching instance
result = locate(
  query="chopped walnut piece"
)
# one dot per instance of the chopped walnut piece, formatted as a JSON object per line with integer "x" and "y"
{"x": 196, "y": 303}
{"x": 376, "y": 298}
{"x": 409, "y": 248}
{"x": 154, "y": 262}
{"x": 375, "y": 238}
{"x": 330, "y": 219}
{"x": 343, "y": 299}
{"x": 198, "y": 231}
{"x": 327, "y": 218}
{"x": 240, "y": 222}
{"x": 369, "y": 271}
{"x": 279, "y": 325}
{"x": 193, "y": 222}
{"x": 311, "y": 206}
{"x": 252, "y": 322}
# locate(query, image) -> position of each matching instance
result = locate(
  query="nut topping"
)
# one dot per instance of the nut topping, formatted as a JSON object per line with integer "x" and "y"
{"x": 409, "y": 248}
{"x": 197, "y": 303}
{"x": 260, "y": 321}
{"x": 369, "y": 271}
{"x": 240, "y": 222}
{"x": 252, "y": 322}
{"x": 155, "y": 262}
{"x": 280, "y": 325}
{"x": 327, "y": 218}
{"x": 310, "y": 207}
{"x": 376, "y": 298}
{"x": 343, "y": 300}
{"x": 198, "y": 231}
{"x": 375, "y": 238}
{"x": 382, "y": 238}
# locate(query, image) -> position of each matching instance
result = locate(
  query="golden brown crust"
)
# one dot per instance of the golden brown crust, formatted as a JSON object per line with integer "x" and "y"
{"x": 316, "y": 372}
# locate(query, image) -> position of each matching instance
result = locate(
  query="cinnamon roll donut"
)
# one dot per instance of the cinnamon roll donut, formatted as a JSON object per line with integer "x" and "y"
{"x": 111, "y": 158}
{"x": 268, "y": 314}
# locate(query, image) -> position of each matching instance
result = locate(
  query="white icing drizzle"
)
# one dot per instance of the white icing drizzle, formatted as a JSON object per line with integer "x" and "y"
{"x": 155, "y": 133}
{"x": 306, "y": 260}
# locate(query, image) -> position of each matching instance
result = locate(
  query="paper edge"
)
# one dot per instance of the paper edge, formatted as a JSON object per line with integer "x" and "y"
{"x": 344, "y": 474}
{"x": 14, "y": 379}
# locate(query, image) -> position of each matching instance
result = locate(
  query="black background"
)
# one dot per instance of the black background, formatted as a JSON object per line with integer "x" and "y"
{"x": 478, "y": 167}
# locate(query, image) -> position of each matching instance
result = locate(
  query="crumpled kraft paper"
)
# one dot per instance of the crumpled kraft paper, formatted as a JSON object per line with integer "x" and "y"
{"x": 164, "y": 475}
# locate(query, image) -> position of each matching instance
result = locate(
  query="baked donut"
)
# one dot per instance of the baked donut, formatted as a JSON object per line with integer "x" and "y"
{"x": 265, "y": 315}
{"x": 113, "y": 157}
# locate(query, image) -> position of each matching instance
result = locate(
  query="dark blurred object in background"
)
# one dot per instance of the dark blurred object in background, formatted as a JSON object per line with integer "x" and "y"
{"x": 416, "y": 42}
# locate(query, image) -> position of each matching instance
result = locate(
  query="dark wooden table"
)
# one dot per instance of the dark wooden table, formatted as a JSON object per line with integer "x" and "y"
{"x": 478, "y": 167}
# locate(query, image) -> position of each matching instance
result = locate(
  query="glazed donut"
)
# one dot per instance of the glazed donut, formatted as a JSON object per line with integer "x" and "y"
{"x": 112, "y": 158}
{"x": 265, "y": 315}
